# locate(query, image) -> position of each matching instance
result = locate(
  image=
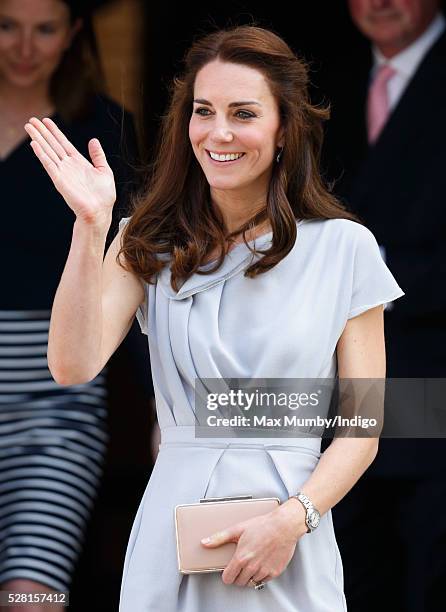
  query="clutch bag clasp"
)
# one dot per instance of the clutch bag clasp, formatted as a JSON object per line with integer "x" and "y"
{"x": 229, "y": 498}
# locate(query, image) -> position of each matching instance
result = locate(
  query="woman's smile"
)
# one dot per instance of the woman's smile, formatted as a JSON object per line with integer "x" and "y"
{"x": 224, "y": 158}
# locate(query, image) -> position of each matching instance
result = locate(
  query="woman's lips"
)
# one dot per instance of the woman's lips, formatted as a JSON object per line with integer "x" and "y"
{"x": 23, "y": 68}
{"x": 224, "y": 163}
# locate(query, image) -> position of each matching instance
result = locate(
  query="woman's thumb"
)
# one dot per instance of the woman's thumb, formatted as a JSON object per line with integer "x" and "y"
{"x": 97, "y": 154}
{"x": 230, "y": 534}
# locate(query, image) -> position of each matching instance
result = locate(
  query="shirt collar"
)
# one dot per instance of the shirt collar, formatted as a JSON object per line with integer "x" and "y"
{"x": 406, "y": 62}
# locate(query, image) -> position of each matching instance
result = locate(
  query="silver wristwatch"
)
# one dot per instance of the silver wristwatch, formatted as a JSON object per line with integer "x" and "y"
{"x": 313, "y": 516}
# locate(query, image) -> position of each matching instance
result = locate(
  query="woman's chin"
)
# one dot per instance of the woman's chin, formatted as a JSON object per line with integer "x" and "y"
{"x": 22, "y": 80}
{"x": 224, "y": 183}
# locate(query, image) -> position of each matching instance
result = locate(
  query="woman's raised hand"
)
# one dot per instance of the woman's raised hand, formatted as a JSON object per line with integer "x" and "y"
{"x": 88, "y": 188}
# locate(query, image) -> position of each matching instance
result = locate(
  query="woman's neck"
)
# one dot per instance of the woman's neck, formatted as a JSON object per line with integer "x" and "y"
{"x": 237, "y": 208}
{"x": 17, "y": 105}
{"x": 23, "y": 101}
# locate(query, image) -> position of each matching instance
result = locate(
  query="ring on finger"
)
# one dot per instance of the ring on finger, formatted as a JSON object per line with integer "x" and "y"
{"x": 257, "y": 584}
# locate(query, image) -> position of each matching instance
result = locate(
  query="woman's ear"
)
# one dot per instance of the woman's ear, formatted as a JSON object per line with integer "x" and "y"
{"x": 77, "y": 25}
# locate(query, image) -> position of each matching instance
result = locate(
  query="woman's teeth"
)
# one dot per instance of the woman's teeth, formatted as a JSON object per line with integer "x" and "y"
{"x": 223, "y": 158}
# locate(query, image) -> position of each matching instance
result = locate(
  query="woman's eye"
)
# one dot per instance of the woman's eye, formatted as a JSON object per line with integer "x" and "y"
{"x": 198, "y": 111}
{"x": 205, "y": 112}
{"x": 245, "y": 114}
{"x": 5, "y": 26}
{"x": 47, "y": 29}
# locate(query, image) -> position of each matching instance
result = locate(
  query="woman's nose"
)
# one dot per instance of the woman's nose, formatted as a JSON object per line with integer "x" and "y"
{"x": 25, "y": 46}
{"x": 222, "y": 134}
{"x": 381, "y": 4}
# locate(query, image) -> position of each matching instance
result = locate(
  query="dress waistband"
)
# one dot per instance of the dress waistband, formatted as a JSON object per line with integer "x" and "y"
{"x": 187, "y": 435}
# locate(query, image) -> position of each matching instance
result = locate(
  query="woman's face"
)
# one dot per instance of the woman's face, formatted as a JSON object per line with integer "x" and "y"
{"x": 235, "y": 113}
{"x": 33, "y": 37}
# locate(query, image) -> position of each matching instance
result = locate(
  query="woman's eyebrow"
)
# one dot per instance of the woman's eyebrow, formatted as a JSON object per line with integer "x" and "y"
{"x": 231, "y": 105}
{"x": 49, "y": 21}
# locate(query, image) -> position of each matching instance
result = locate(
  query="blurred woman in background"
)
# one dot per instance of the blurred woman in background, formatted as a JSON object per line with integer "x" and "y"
{"x": 52, "y": 438}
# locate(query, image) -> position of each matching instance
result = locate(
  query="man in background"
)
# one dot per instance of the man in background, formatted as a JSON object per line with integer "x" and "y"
{"x": 385, "y": 150}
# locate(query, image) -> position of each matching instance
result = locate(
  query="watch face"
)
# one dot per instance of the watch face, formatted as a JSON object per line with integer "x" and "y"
{"x": 313, "y": 519}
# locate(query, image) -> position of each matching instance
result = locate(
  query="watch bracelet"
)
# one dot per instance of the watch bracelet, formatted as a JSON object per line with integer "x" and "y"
{"x": 307, "y": 504}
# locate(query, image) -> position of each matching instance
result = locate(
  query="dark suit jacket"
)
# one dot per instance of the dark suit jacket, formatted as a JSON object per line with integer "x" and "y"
{"x": 398, "y": 188}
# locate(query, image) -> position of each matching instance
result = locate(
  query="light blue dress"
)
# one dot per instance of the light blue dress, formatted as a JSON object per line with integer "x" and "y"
{"x": 284, "y": 323}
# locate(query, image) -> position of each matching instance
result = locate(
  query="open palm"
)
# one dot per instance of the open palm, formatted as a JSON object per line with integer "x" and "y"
{"x": 88, "y": 188}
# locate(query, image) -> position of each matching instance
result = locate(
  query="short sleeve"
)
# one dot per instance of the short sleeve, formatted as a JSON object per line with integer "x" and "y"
{"x": 142, "y": 312}
{"x": 373, "y": 283}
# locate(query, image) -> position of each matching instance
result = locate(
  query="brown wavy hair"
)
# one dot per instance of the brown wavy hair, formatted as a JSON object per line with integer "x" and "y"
{"x": 173, "y": 219}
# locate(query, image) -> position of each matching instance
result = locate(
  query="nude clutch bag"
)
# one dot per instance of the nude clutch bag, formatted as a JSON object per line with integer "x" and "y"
{"x": 196, "y": 521}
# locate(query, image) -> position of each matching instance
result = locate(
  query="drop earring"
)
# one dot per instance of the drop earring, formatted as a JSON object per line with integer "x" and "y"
{"x": 279, "y": 155}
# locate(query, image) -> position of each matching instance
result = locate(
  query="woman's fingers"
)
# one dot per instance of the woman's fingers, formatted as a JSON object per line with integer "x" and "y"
{"x": 246, "y": 575}
{"x": 97, "y": 154}
{"x": 51, "y": 140}
{"x": 36, "y": 135}
{"x": 261, "y": 576}
{"x": 46, "y": 161}
{"x": 59, "y": 136}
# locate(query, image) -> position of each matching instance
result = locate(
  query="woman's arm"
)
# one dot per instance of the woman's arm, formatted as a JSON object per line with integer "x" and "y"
{"x": 93, "y": 309}
{"x": 96, "y": 300}
{"x": 361, "y": 354}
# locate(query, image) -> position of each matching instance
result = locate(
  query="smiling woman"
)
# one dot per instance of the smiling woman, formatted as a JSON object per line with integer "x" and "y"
{"x": 246, "y": 133}
{"x": 53, "y": 439}
{"x": 302, "y": 299}
{"x": 271, "y": 185}
{"x": 50, "y": 52}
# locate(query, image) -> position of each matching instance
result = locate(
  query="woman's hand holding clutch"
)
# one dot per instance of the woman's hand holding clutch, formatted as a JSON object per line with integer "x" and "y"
{"x": 265, "y": 544}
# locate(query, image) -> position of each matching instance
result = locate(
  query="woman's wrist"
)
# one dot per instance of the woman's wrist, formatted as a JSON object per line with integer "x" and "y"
{"x": 293, "y": 514}
{"x": 90, "y": 235}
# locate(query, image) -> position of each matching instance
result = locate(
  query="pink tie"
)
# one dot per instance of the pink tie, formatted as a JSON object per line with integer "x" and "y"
{"x": 378, "y": 102}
